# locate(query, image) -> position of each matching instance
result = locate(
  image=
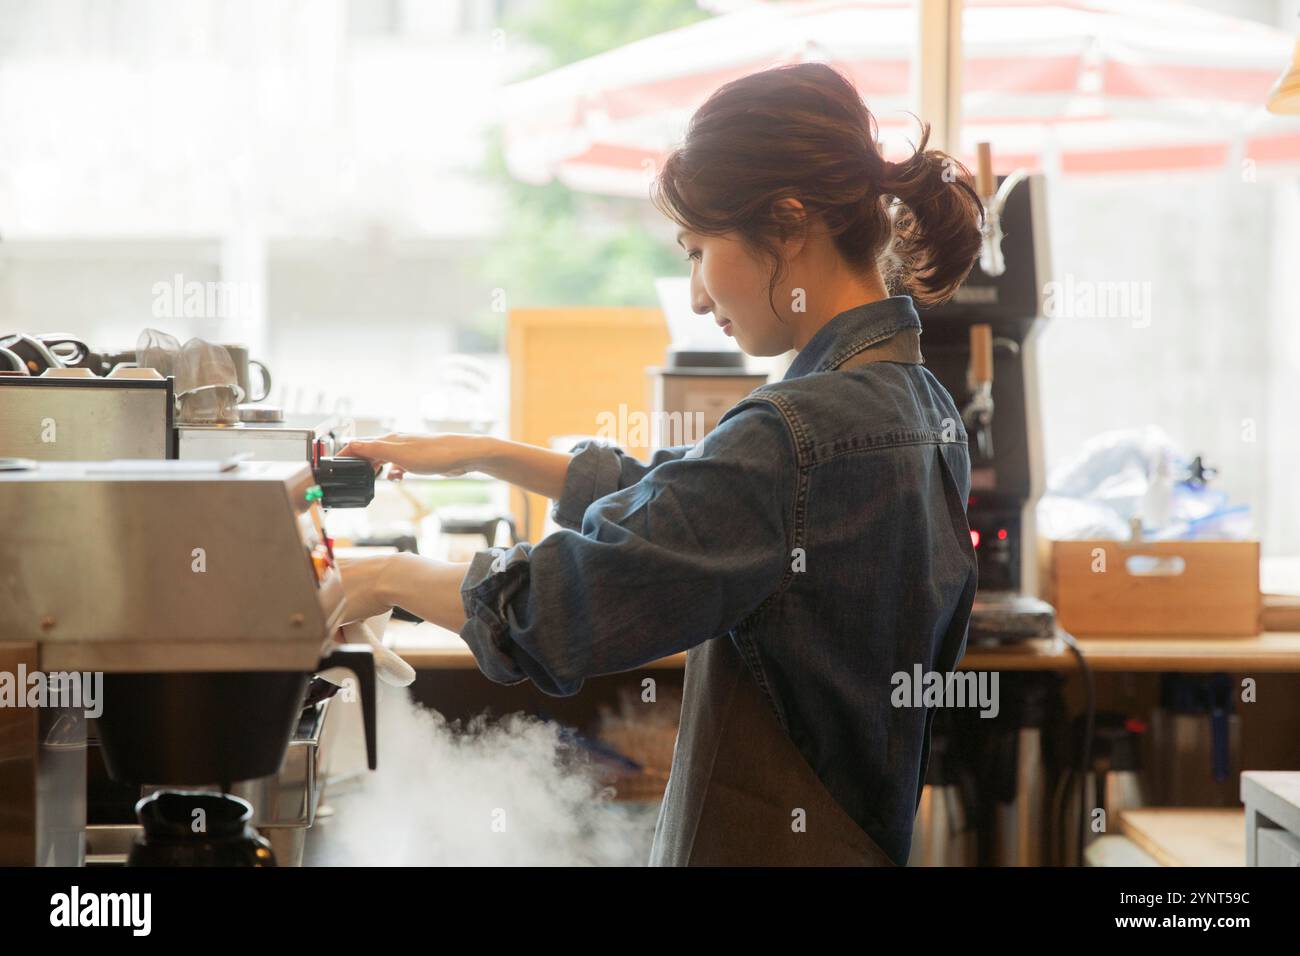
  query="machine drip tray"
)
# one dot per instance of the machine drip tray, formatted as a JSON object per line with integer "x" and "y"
{"x": 284, "y": 804}
{"x": 1003, "y": 617}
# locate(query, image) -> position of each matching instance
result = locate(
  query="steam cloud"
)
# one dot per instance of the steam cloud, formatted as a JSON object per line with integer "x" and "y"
{"x": 506, "y": 793}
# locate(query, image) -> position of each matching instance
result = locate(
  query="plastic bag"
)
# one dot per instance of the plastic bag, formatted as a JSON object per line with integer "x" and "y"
{"x": 1136, "y": 473}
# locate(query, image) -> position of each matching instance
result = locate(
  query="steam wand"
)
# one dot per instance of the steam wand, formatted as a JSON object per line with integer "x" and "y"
{"x": 977, "y": 416}
{"x": 992, "y": 262}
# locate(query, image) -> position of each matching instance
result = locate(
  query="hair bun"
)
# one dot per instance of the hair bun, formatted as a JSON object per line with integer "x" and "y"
{"x": 917, "y": 177}
{"x": 802, "y": 130}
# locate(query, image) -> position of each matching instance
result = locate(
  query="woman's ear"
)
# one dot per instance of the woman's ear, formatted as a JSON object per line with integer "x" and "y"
{"x": 792, "y": 221}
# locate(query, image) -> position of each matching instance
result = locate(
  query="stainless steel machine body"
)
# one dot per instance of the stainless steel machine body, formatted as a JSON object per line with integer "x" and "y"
{"x": 147, "y": 567}
{"x": 135, "y": 566}
{"x": 85, "y": 419}
{"x": 298, "y": 438}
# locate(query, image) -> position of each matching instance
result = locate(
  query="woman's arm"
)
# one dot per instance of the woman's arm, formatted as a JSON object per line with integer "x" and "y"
{"x": 530, "y": 467}
{"x": 423, "y": 586}
{"x": 597, "y": 469}
{"x": 539, "y": 470}
{"x": 676, "y": 559}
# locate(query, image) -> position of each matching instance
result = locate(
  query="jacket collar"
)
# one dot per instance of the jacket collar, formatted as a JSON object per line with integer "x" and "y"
{"x": 850, "y": 332}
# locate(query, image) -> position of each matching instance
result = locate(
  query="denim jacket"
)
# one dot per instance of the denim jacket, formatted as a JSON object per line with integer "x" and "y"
{"x": 821, "y": 526}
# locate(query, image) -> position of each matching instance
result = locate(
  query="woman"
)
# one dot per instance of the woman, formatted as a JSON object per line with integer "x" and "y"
{"x": 809, "y": 548}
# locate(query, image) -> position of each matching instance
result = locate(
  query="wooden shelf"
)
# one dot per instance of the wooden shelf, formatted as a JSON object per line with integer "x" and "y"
{"x": 425, "y": 646}
{"x": 1270, "y": 651}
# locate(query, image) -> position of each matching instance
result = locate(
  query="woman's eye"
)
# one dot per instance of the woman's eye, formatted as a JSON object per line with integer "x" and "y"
{"x": 693, "y": 254}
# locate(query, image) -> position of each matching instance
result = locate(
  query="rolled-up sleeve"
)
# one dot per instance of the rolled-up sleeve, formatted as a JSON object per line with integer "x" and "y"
{"x": 666, "y": 562}
{"x": 597, "y": 470}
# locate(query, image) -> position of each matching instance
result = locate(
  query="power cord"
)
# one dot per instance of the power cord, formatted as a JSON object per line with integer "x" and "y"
{"x": 1090, "y": 691}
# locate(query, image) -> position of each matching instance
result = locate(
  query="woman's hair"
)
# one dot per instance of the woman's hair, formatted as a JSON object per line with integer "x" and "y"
{"x": 802, "y": 132}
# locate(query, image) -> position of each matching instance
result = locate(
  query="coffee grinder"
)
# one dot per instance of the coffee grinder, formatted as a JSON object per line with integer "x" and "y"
{"x": 981, "y": 346}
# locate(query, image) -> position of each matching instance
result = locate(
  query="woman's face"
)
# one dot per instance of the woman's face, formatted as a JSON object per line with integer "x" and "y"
{"x": 730, "y": 281}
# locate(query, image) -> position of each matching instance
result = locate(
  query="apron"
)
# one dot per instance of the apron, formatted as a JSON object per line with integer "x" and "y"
{"x": 740, "y": 793}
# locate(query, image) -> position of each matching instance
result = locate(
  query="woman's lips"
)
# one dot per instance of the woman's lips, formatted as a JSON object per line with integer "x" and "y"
{"x": 725, "y": 325}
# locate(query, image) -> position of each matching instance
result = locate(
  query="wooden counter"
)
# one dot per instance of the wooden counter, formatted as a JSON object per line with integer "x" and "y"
{"x": 425, "y": 646}
{"x": 429, "y": 647}
{"x": 1271, "y": 651}
{"x": 1188, "y": 836}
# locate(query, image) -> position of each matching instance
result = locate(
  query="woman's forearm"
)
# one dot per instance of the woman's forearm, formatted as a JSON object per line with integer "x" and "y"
{"x": 535, "y": 469}
{"x": 427, "y": 588}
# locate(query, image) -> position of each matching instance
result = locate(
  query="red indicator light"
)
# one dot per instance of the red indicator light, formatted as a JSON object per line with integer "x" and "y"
{"x": 974, "y": 538}
{"x": 1002, "y": 534}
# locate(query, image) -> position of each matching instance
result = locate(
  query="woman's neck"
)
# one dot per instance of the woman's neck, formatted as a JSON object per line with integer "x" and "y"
{"x": 849, "y": 292}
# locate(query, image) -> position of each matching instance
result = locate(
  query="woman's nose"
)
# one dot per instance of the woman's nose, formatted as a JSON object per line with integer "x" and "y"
{"x": 700, "y": 300}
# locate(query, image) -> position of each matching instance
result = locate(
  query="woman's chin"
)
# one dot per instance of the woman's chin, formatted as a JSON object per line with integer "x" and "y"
{"x": 760, "y": 349}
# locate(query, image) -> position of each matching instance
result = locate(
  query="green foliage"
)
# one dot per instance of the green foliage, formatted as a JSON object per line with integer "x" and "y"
{"x": 571, "y": 30}
{"x": 559, "y": 247}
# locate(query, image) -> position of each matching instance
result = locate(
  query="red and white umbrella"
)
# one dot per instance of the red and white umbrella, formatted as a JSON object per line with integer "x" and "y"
{"x": 1072, "y": 86}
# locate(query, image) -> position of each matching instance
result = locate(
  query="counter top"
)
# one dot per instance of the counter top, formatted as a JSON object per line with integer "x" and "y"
{"x": 1276, "y": 790}
{"x": 429, "y": 647}
{"x": 426, "y": 646}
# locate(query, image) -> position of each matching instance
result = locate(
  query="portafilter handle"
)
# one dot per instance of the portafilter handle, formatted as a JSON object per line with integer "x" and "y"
{"x": 360, "y": 660}
{"x": 345, "y": 482}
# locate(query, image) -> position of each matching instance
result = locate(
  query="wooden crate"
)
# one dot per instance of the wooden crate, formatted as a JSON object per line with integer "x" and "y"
{"x": 1180, "y": 588}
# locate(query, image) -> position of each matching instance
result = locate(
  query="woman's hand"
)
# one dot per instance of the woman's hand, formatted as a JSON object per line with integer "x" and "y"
{"x": 427, "y": 588}
{"x": 418, "y": 454}
{"x": 365, "y": 586}
{"x": 389, "y": 666}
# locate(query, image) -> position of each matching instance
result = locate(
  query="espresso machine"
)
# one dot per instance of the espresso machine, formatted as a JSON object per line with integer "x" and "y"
{"x": 68, "y": 414}
{"x": 60, "y": 415}
{"x": 267, "y": 434}
{"x": 190, "y": 605}
{"x": 981, "y": 346}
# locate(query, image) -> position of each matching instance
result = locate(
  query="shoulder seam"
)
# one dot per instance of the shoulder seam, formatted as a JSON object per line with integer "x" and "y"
{"x": 786, "y": 410}
{"x": 799, "y": 507}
